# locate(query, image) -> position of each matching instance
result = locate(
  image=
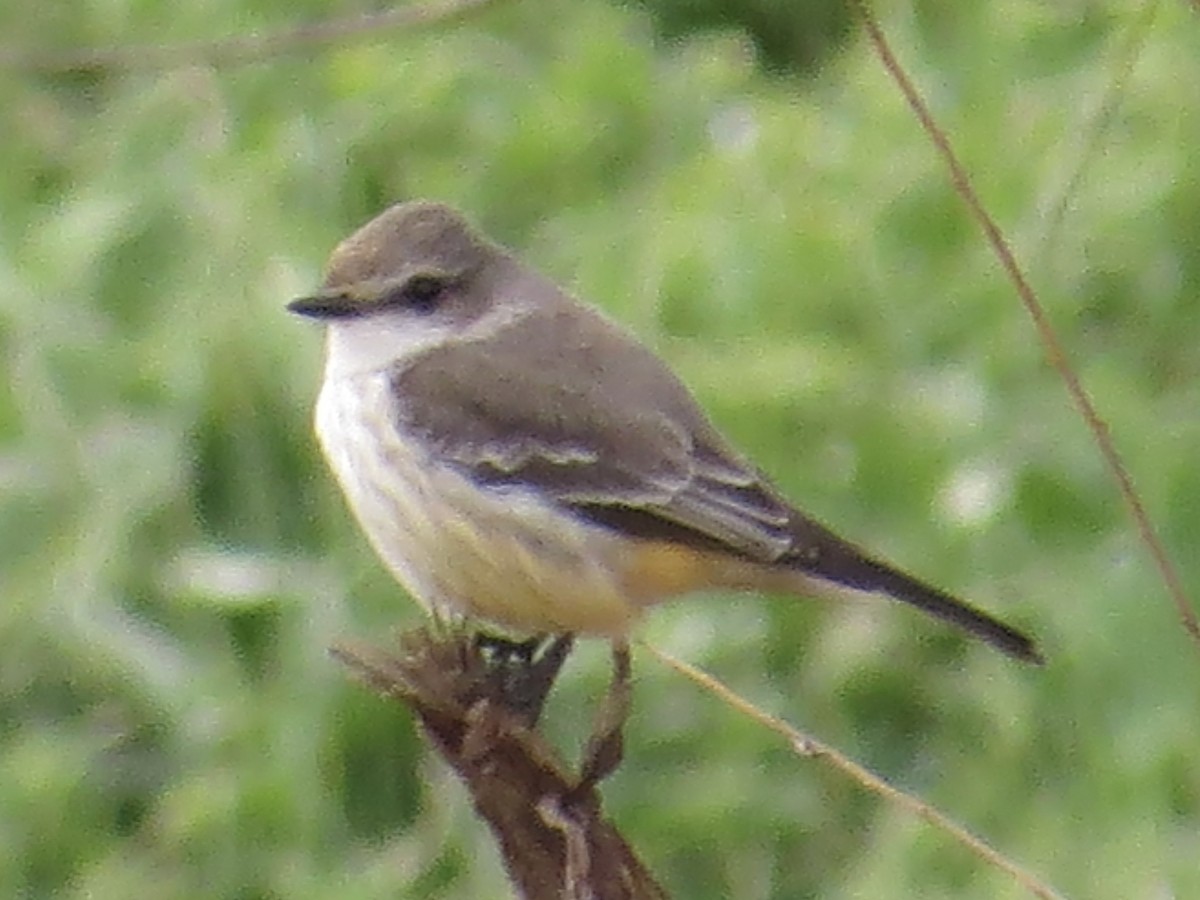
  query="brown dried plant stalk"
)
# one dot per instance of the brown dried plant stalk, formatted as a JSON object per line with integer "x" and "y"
{"x": 242, "y": 49}
{"x": 807, "y": 746}
{"x": 1054, "y": 348}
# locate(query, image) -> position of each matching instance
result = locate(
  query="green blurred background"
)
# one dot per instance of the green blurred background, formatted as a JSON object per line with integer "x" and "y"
{"x": 743, "y": 186}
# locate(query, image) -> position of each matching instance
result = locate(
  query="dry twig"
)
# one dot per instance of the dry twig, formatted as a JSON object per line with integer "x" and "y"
{"x": 811, "y": 747}
{"x": 1093, "y": 129}
{"x": 241, "y": 49}
{"x": 1054, "y": 348}
{"x": 552, "y": 833}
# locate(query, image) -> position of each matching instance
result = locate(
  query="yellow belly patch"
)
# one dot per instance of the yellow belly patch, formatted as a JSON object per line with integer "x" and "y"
{"x": 657, "y": 570}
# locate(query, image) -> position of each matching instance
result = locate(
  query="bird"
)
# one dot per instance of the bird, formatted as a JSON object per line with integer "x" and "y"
{"x": 517, "y": 458}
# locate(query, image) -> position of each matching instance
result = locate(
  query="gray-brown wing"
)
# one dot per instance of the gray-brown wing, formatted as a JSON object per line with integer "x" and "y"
{"x": 597, "y": 424}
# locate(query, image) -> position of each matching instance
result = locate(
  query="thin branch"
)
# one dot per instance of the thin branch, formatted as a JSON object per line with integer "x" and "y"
{"x": 242, "y": 49}
{"x": 1054, "y": 348}
{"x": 548, "y": 824}
{"x": 1094, "y": 128}
{"x": 807, "y": 746}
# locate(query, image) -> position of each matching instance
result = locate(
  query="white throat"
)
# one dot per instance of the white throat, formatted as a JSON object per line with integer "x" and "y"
{"x": 372, "y": 343}
{"x": 358, "y": 346}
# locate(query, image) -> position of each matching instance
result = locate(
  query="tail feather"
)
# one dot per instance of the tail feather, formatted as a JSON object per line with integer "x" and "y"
{"x": 826, "y": 556}
{"x": 950, "y": 609}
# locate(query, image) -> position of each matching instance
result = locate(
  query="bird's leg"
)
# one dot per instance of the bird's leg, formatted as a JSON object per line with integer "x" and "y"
{"x": 497, "y": 649}
{"x": 518, "y": 675}
{"x": 606, "y": 746}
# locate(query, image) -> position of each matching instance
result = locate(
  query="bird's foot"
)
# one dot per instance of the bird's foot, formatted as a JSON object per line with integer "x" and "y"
{"x": 606, "y": 746}
{"x": 520, "y": 677}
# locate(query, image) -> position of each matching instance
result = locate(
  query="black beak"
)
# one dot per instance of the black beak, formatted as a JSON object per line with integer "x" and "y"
{"x": 326, "y": 306}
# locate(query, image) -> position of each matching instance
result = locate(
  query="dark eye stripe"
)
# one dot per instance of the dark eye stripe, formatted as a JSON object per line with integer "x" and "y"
{"x": 420, "y": 293}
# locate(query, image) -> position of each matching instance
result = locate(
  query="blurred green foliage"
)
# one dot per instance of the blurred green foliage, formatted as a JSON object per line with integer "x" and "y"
{"x": 176, "y": 559}
{"x": 789, "y": 36}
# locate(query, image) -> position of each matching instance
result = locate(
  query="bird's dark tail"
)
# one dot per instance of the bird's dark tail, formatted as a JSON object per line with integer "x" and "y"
{"x": 822, "y": 554}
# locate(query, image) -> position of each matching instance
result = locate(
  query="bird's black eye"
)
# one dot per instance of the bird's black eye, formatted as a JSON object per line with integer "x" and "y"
{"x": 421, "y": 293}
